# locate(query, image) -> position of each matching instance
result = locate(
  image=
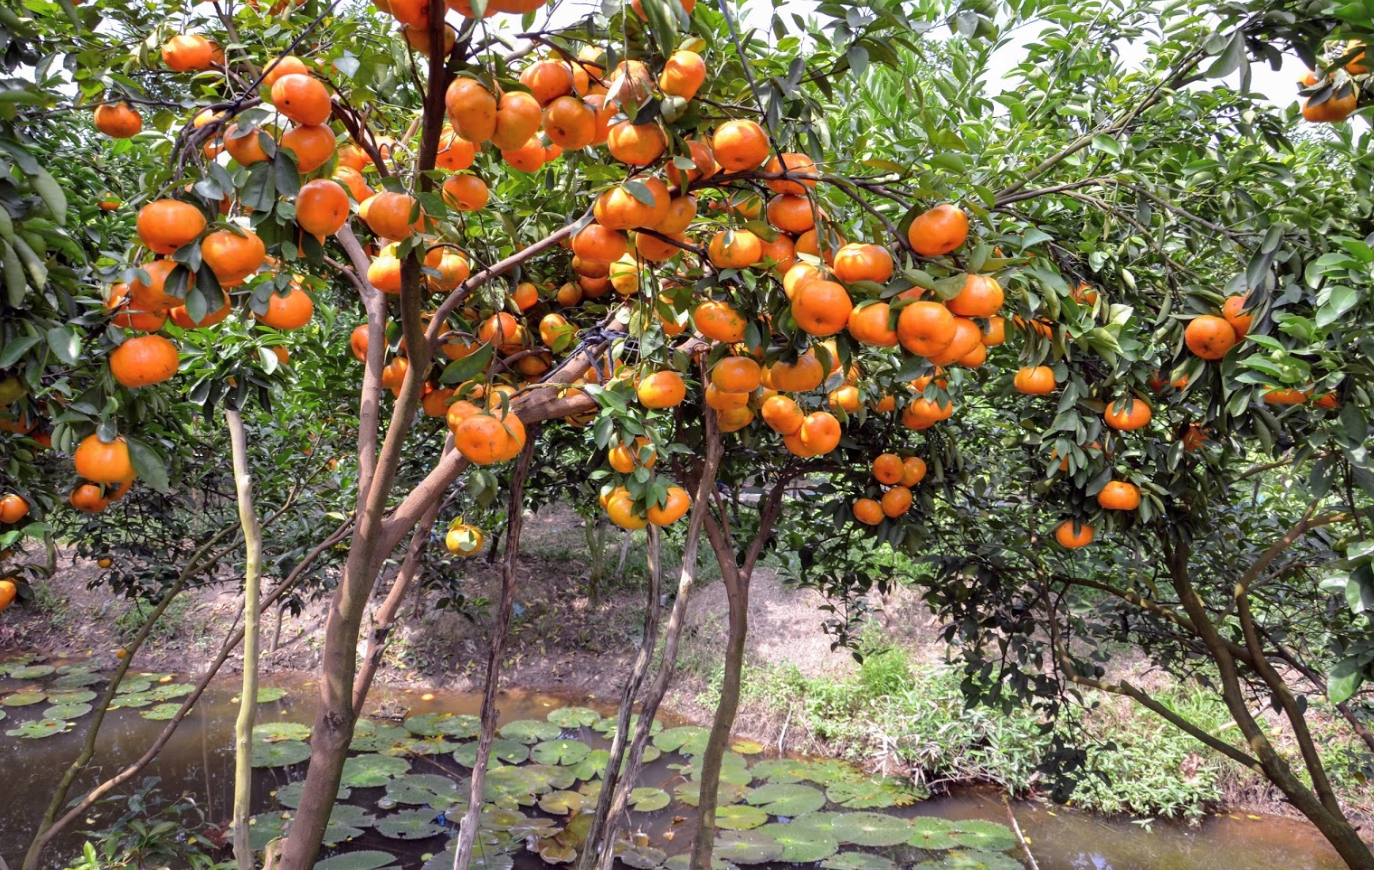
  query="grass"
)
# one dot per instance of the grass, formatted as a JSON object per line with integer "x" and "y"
{"x": 165, "y": 630}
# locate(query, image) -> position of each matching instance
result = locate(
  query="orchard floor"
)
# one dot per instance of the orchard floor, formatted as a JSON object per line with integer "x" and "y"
{"x": 796, "y": 687}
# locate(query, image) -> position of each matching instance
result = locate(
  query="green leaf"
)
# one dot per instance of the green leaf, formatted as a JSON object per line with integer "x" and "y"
{"x": 468, "y": 367}
{"x": 1106, "y": 145}
{"x": 65, "y": 344}
{"x": 1345, "y": 678}
{"x": 149, "y": 464}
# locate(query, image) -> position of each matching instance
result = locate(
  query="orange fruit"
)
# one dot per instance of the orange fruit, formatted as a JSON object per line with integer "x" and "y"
{"x": 117, "y": 120}
{"x": 782, "y": 415}
{"x": 570, "y": 122}
{"x": 164, "y": 225}
{"x": 13, "y": 508}
{"x": 322, "y": 207}
{"x": 620, "y": 509}
{"x": 312, "y": 145}
{"x": 188, "y": 52}
{"x": 802, "y": 376}
{"x": 821, "y": 307}
{"x": 101, "y": 462}
{"x": 791, "y": 214}
{"x": 133, "y": 318}
{"x": 88, "y": 499}
{"x": 739, "y": 145}
{"x": 734, "y": 249}
{"x": 799, "y": 166}
{"x": 739, "y": 374}
{"x": 1070, "y": 539}
{"x": 896, "y": 501}
{"x": 996, "y": 332}
{"x": 548, "y": 80}
{"x": 302, "y": 98}
{"x": 872, "y": 325}
{"x": 144, "y": 360}
{"x": 1034, "y": 380}
{"x": 595, "y": 242}
{"x": 1234, "y": 312}
{"x": 284, "y": 66}
{"x": 1334, "y": 109}
{"x": 471, "y": 109}
{"x": 938, "y": 231}
{"x": 981, "y": 297}
{"x": 291, "y": 311}
{"x": 455, "y": 152}
{"x": 724, "y": 400}
{"x": 719, "y": 321}
{"x": 625, "y": 459}
{"x": 913, "y": 471}
{"x": 888, "y": 468}
{"x": 517, "y": 120}
{"x": 703, "y": 162}
{"x": 233, "y": 256}
{"x": 503, "y": 330}
{"x": 861, "y": 262}
{"x": 465, "y": 192}
{"x": 636, "y": 144}
{"x": 664, "y": 389}
{"x": 672, "y": 510}
{"x": 1118, "y": 416}
{"x": 868, "y": 512}
{"x": 1118, "y": 495}
{"x": 922, "y": 413}
{"x": 1285, "y": 396}
{"x": 388, "y": 215}
{"x": 1209, "y": 336}
{"x": 925, "y": 328}
{"x": 245, "y": 146}
{"x": 820, "y": 432}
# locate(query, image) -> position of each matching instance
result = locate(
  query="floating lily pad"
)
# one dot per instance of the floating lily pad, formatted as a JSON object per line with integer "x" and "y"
{"x": 32, "y": 672}
{"x": 607, "y": 726}
{"x": 748, "y": 847}
{"x": 529, "y": 730}
{"x": 423, "y": 746}
{"x": 973, "y": 860}
{"x": 366, "y": 860}
{"x": 85, "y": 667}
{"x": 559, "y": 752}
{"x": 509, "y": 786}
{"x": 870, "y": 829}
{"x": 77, "y": 680}
{"x": 289, "y": 795}
{"x": 872, "y": 793}
{"x": 371, "y": 737}
{"x": 647, "y": 800}
{"x": 550, "y": 777}
{"x": 274, "y": 732}
{"x": 266, "y": 827}
{"x": 683, "y": 861}
{"x": 504, "y": 751}
{"x": 592, "y": 766}
{"x": 424, "y": 789}
{"x": 77, "y": 696}
{"x": 410, "y": 825}
{"x": 280, "y": 753}
{"x": 444, "y": 725}
{"x": 686, "y": 739}
{"x": 739, "y": 817}
{"x": 24, "y": 699}
{"x": 746, "y": 747}
{"x": 591, "y": 789}
{"x": 787, "y": 800}
{"x": 828, "y": 771}
{"x": 574, "y": 717}
{"x": 639, "y": 853}
{"x": 370, "y": 771}
{"x": 563, "y": 803}
{"x": 133, "y": 686}
{"x": 934, "y": 834}
{"x": 161, "y": 712}
{"x": 271, "y": 694}
{"x": 800, "y": 843}
{"x": 346, "y": 822}
{"x": 858, "y": 861}
{"x": 733, "y": 769}
{"x": 555, "y": 851}
{"x": 66, "y": 711}
{"x": 501, "y": 819}
{"x": 689, "y": 793}
{"x": 482, "y": 859}
{"x": 40, "y": 728}
{"x": 3, "y": 715}
{"x": 982, "y": 835}
{"x": 171, "y": 691}
{"x": 132, "y": 702}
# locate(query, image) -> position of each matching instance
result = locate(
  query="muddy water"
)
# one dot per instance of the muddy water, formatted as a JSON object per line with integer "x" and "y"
{"x": 198, "y": 762}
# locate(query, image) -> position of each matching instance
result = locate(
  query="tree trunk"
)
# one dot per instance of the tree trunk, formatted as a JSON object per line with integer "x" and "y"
{"x": 515, "y": 517}
{"x": 624, "y": 553}
{"x": 627, "y": 703}
{"x": 596, "y": 547}
{"x": 248, "y": 700}
{"x": 615, "y": 815}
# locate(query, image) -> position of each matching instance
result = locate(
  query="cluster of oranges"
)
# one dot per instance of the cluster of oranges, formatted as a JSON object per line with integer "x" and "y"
{"x": 1344, "y": 98}
{"x": 899, "y": 475}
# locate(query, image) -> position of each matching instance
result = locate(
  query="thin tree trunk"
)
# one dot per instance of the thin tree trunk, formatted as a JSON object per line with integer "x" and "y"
{"x": 624, "y": 553}
{"x": 83, "y": 758}
{"x": 248, "y": 699}
{"x": 596, "y": 547}
{"x": 667, "y": 666}
{"x": 621, "y": 738}
{"x": 515, "y": 517}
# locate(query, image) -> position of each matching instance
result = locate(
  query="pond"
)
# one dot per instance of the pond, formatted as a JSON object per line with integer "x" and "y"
{"x": 407, "y": 781}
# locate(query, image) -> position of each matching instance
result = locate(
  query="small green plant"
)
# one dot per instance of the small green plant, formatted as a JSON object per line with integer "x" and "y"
{"x": 153, "y": 832}
{"x": 131, "y": 621}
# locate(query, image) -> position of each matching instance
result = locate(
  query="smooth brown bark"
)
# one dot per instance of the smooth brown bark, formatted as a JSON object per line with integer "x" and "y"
{"x": 515, "y": 520}
{"x": 252, "y": 610}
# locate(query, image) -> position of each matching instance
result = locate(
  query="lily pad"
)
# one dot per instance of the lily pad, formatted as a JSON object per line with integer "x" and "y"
{"x": 39, "y": 728}
{"x": 933, "y": 834}
{"x": 787, "y": 800}
{"x": 66, "y": 711}
{"x": 529, "y": 731}
{"x": 32, "y": 672}
{"x": 683, "y": 861}
{"x": 500, "y": 819}
{"x": 563, "y": 803}
{"x": 171, "y": 691}
{"x": 550, "y": 777}
{"x": 592, "y": 766}
{"x": 3, "y": 715}
{"x": 747, "y": 847}
{"x": 266, "y": 827}
{"x": 872, "y": 793}
{"x": 746, "y": 747}
{"x": 371, "y": 737}
{"x": 554, "y": 851}
{"x": 871, "y": 829}
{"x": 639, "y": 853}
{"x": 370, "y": 771}
{"x": 346, "y": 822}
{"x": 289, "y": 795}
{"x": 85, "y": 667}
{"x": 974, "y": 860}
{"x": 482, "y": 859}
{"x": 24, "y": 699}
{"x": 131, "y": 702}
{"x": 423, "y": 746}
{"x": 982, "y": 835}
{"x": 281, "y": 753}
{"x": 574, "y": 717}
{"x": 424, "y": 789}
{"x": 444, "y": 725}
{"x": 686, "y": 739}
{"x": 858, "y": 861}
{"x": 559, "y": 752}
{"x": 504, "y": 751}
{"x": 689, "y": 793}
{"x": 275, "y": 732}
{"x": 607, "y": 726}
{"x": 77, "y": 696}
{"x": 410, "y": 825}
{"x": 647, "y": 800}
{"x": 739, "y": 817}
{"x": 78, "y": 680}
{"x": 161, "y": 712}
{"x": 828, "y": 771}
{"x": 512, "y": 786}
{"x": 801, "y": 844}
{"x": 133, "y": 686}
{"x": 369, "y": 859}
{"x": 271, "y": 694}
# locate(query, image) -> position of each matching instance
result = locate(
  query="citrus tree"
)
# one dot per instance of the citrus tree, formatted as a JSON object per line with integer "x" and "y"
{"x": 774, "y": 274}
